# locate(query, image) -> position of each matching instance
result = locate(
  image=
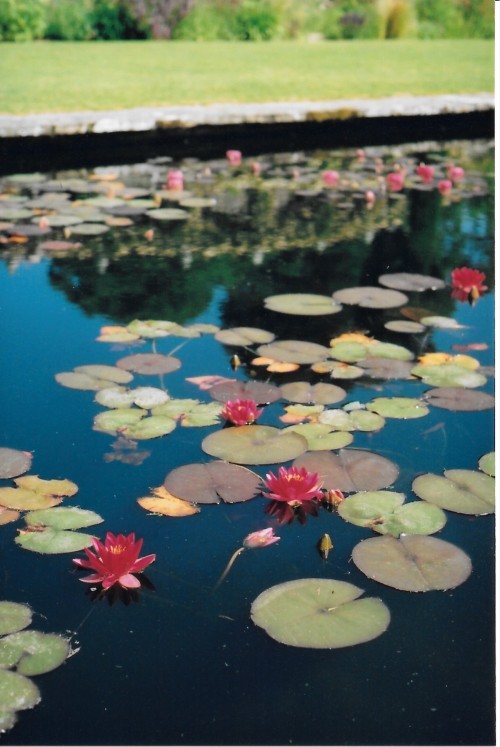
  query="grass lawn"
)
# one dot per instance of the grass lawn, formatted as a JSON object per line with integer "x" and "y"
{"x": 67, "y": 76}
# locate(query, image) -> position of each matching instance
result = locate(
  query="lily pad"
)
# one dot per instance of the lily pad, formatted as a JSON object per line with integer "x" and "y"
{"x": 357, "y": 420}
{"x": 148, "y": 397}
{"x": 459, "y": 399}
{"x": 115, "y": 421}
{"x": 459, "y": 490}
{"x": 320, "y": 437}
{"x": 254, "y": 444}
{"x": 487, "y": 463}
{"x": 149, "y": 363}
{"x": 389, "y": 350}
{"x": 449, "y": 375}
{"x": 151, "y": 328}
{"x": 319, "y": 613}
{"x": 243, "y": 336}
{"x": 14, "y": 462}
{"x": 201, "y": 415}
{"x": 294, "y": 351}
{"x": 168, "y": 214}
{"x": 412, "y": 562}
{"x": 8, "y": 720}
{"x": 62, "y": 517}
{"x": 115, "y": 397}
{"x": 351, "y": 470}
{"x": 259, "y": 392}
{"x": 59, "y": 488}
{"x": 213, "y": 482}
{"x": 405, "y": 326}
{"x": 410, "y": 281}
{"x": 371, "y": 297}
{"x": 107, "y": 373}
{"x": 441, "y": 322}
{"x": 7, "y": 516}
{"x": 89, "y": 229}
{"x": 385, "y": 512}
{"x": 17, "y": 693}
{"x": 53, "y": 541}
{"x": 348, "y": 351}
{"x": 403, "y": 408}
{"x": 385, "y": 368}
{"x": 21, "y": 499}
{"x": 153, "y": 426}
{"x": 305, "y": 393}
{"x": 337, "y": 369}
{"x": 162, "y": 502}
{"x": 33, "y": 652}
{"x": 302, "y": 304}
{"x": 14, "y": 617}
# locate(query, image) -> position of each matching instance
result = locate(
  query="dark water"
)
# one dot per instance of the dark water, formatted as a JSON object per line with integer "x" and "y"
{"x": 185, "y": 664}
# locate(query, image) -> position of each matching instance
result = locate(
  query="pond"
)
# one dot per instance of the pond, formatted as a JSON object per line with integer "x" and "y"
{"x": 310, "y": 284}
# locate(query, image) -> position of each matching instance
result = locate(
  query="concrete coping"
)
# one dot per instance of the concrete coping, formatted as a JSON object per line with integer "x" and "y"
{"x": 185, "y": 117}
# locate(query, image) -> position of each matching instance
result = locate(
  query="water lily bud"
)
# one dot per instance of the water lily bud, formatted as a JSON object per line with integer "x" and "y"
{"x": 175, "y": 180}
{"x": 445, "y": 186}
{"x": 455, "y": 173}
{"x": 234, "y": 157}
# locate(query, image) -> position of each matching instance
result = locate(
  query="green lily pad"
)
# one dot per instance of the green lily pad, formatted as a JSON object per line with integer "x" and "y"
{"x": 405, "y": 408}
{"x": 201, "y": 415}
{"x": 53, "y": 541}
{"x": 320, "y": 437}
{"x": 213, "y": 482}
{"x": 412, "y": 562}
{"x": 260, "y": 392}
{"x": 17, "y": 693}
{"x": 462, "y": 491}
{"x": 89, "y": 229}
{"x": 319, "y": 613}
{"x": 449, "y": 375}
{"x": 151, "y": 328}
{"x": 254, "y": 444}
{"x": 168, "y": 214}
{"x": 153, "y": 426}
{"x": 405, "y": 326}
{"x": 62, "y": 517}
{"x": 371, "y": 297}
{"x": 459, "y": 399}
{"x": 389, "y": 350}
{"x": 33, "y": 652}
{"x": 175, "y": 408}
{"x": 357, "y": 420}
{"x": 81, "y": 381}
{"x": 149, "y": 363}
{"x": 351, "y": 470}
{"x": 115, "y": 421}
{"x": 14, "y": 617}
{"x": 294, "y": 351}
{"x": 8, "y": 719}
{"x": 14, "y": 462}
{"x": 487, "y": 463}
{"x": 410, "y": 281}
{"x": 305, "y": 393}
{"x": 243, "y": 336}
{"x": 198, "y": 202}
{"x": 348, "y": 351}
{"x": 384, "y": 512}
{"x": 337, "y": 369}
{"x": 302, "y": 304}
{"x": 107, "y": 373}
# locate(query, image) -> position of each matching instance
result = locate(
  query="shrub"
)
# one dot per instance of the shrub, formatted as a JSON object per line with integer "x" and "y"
{"x": 158, "y": 18}
{"x": 22, "y": 20}
{"x": 257, "y": 20}
{"x": 397, "y": 18}
{"x": 439, "y": 19}
{"x": 351, "y": 19}
{"x": 113, "y": 19}
{"x": 68, "y": 20}
{"x": 207, "y": 21}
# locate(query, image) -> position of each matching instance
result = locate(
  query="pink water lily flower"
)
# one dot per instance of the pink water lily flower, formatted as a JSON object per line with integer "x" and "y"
{"x": 293, "y": 486}
{"x": 445, "y": 186}
{"x": 234, "y": 157}
{"x": 115, "y": 561}
{"x": 425, "y": 172}
{"x": 467, "y": 284}
{"x": 455, "y": 173}
{"x": 241, "y": 411}
{"x": 395, "y": 181}
{"x": 175, "y": 180}
{"x": 330, "y": 178}
{"x": 261, "y": 538}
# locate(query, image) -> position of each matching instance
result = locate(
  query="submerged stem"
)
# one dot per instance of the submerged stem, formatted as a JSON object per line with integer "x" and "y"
{"x": 228, "y": 566}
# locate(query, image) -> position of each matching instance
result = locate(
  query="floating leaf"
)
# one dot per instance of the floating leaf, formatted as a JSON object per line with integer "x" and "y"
{"x": 337, "y": 369}
{"x": 153, "y": 426}
{"x": 319, "y": 613}
{"x": 405, "y": 408}
{"x": 273, "y": 365}
{"x": 349, "y": 351}
{"x": 17, "y": 693}
{"x": 371, "y": 297}
{"x": 164, "y": 503}
{"x": 114, "y": 333}
{"x": 305, "y": 393}
{"x": 33, "y": 652}
{"x": 81, "y": 381}
{"x": 168, "y": 214}
{"x": 449, "y": 375}
{"x": 389, "y": 350}
{"x": 384, "y": 512}
{"x": 385, "y": 368}
{"x": 298, "y": 413}
{"x": 152, "y": 328}
{"x": 8, "y": 719}
{"x": 351, "y": 470}
{"x": 14, "y": 617}
{"x": 115, "y": 421}
{"x": 459, "y": 399}
{"x": 320, "y": 437}
{"x": 412, "y": 562}
{"x": 60, "y": 488}
{"x": 254, "y": 444}
{"x": 7, "y": 516}
{"x": 89, "y": 229}
{"x": 202, "y": 415}
{"x": 115, "y": 397}
{"x": 213, "y": 482}
{"x": 148, "y": 397}
{"x": 62, "y": 517}
{"x": 21, "y": 499}
{"x": 302, "y": 304}
{"x": 294, "y": 351}
{"x": 358, "y": 420}
{"x": 53, "y": 541}
{"x": 487, "y": 463}
{"x": 14, "y": 462}
{"x": 261, "y": 393}
{"x": 149, "y": 363}
{"x": 410, "y": 281}
{"x": 460, "y": 490}
{"x": 106, "y": 373}
{"x": 441, "y": 322}
{"x": 405, "y": 327}
{"x": 243, "y": 336}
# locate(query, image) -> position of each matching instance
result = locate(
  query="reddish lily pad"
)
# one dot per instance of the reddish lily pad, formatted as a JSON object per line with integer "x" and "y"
{"x": 371, "y": 297}
{"x": 305, "y": 393}
{"x": 163, "y": 503}
{"x": 459, "y": 399}
{"x": 14, "y": 462}
{"x": 412, "y": 562}
{"x": 213, "y": 482}
{"x": 243, "y": 336}
{"x": 302, "y": 304}
{"x": 294, "y": 351}
{"x": 254, "y": 444}
{"x": 386, "y": 368}
{"x": 459, "y": 490}
{"x": 149, "y": 363}
{"x": 259, "y": 392}
{"x": 319, "y": 613}
{"x": 14, "y": 617}
{"x": 410, "y": 281}
{"x": 351, "y": 470}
